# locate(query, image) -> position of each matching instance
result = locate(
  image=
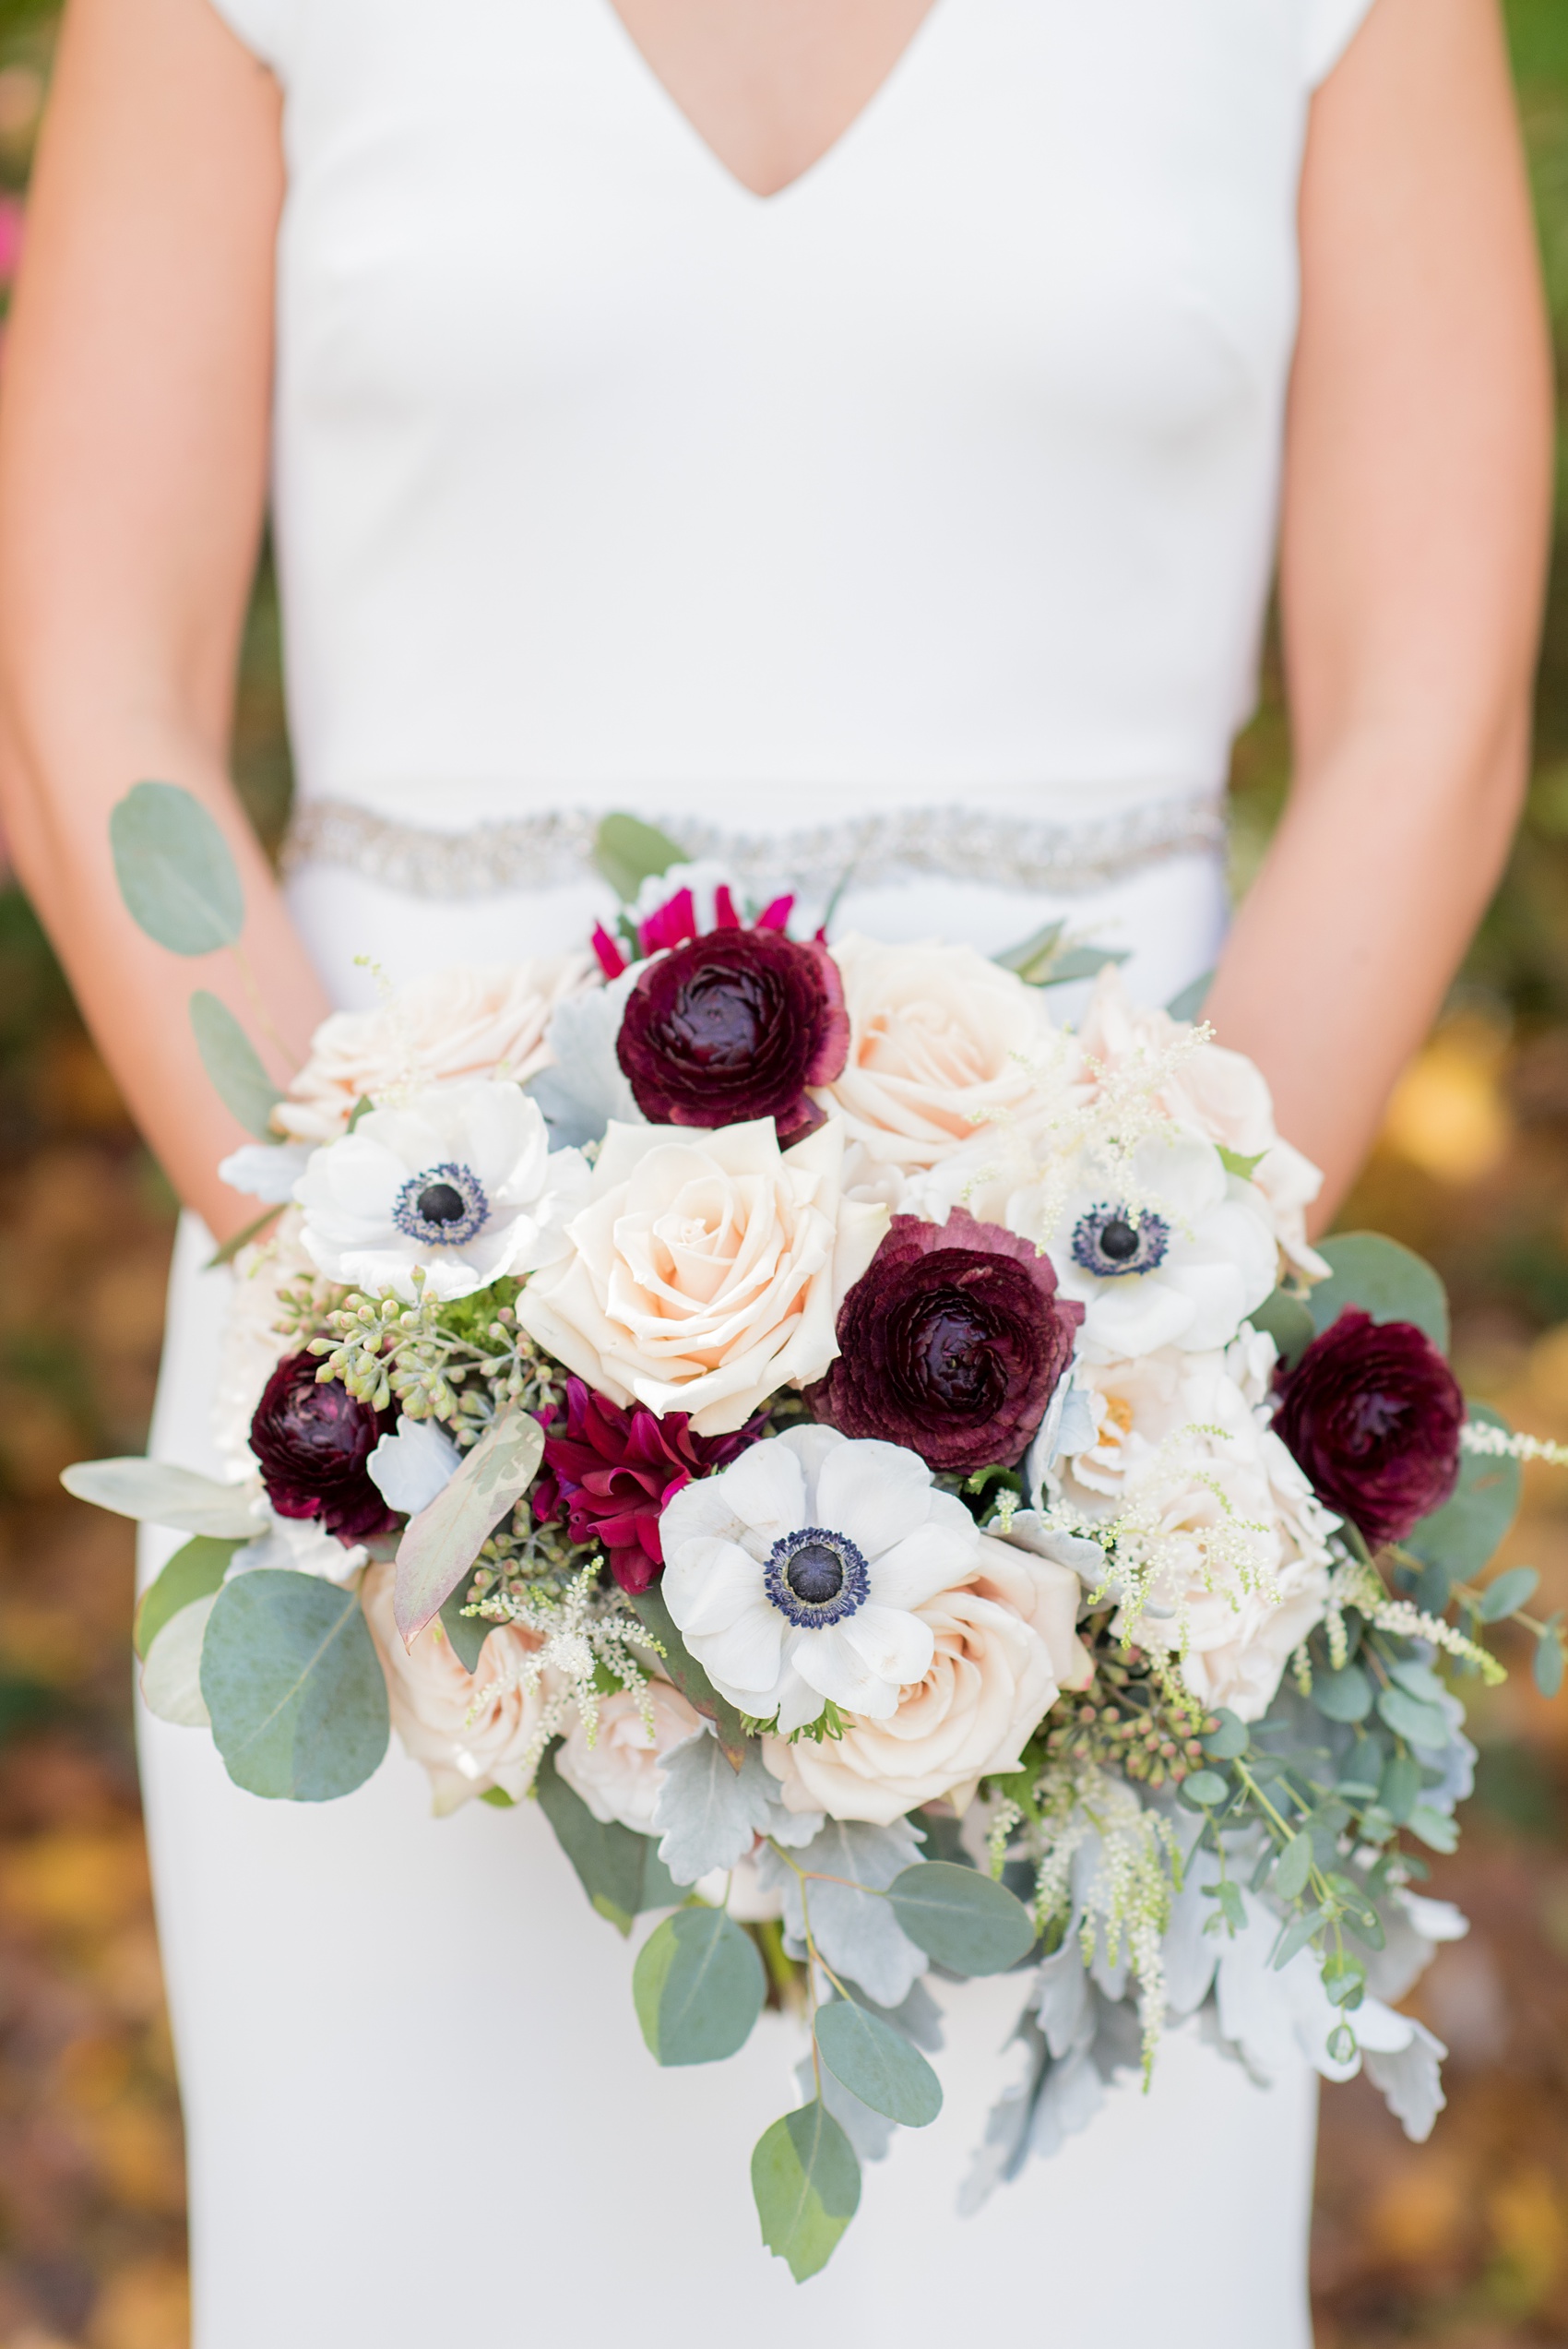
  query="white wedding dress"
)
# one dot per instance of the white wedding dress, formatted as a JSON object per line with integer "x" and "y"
{"x": 919, "y": 516}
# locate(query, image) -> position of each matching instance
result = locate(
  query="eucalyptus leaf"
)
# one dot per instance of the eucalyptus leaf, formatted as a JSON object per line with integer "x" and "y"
{"x": 1514, "y": 1589}
{"x": 294, "y": 1687}
{"x": 1034, "y": 955}
{"x": 877, "y": 2064}
{"x": 1436, "y": 1830}
{"x": 1432, "y": 1590}
{"x": 806, "y": 2183}
{"x": 1077, "y": 962}
{"x": 628, "y": 853}
{"x": 194, "y": 1572}
{"x": 231, "y": 1062}
{"x": 683, "y": 1670}
{"x": 156, "y": 1494}
{"x": 1294, "y": 1867}
{"x": 1547, "y": 1664}
{"x": 1419, "y": 1724}
{"x": 1346, "y": 1695}
{"x": 1286, "y": 1320}
{"x": 171, "y": 1677}
{"x": 179, "y": 882}
{"x": 1417, "y": 1679}
{"x": 1400, "y": 1789}
{"x": 1230, "y": 1740}
{"x": 440, "y": 1543}
{"x": 1464, "y": 1534}
{"x": 611, "y": 1861}
{"x": 961, "y": 1918}
{"x": 1383, "y": 1279}
{"x": 1187, "y": 1003}
{"x": 467, "y": 1633}
{"x": 1297, "y": 1935}
{"x": 1203, "y": 1790}
{"x": 698, "y": 1987}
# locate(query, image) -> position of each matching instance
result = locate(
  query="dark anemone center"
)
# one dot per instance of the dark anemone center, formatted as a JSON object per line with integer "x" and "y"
{"x": 815, "y": 1574}
{"x": 1119, "y": 1240}
{"x": 441, "y": 1203}
{"x": 719, "y": 1017}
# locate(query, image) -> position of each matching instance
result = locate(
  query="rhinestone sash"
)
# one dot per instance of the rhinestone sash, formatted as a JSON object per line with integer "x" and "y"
{"x": 975, "y": 844}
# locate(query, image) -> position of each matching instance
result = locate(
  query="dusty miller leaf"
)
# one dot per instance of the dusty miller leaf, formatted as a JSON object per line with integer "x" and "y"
{"x": 856, "y": 1931}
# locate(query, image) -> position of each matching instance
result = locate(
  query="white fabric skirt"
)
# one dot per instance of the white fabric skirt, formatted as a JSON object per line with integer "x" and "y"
{"x": 418, "y": 2106}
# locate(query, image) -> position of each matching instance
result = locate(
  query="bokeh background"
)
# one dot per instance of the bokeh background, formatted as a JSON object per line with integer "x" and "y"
{"x": 1462, "y": 2242}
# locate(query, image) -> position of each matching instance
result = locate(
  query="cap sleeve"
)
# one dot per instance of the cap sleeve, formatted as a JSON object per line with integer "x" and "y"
{"x": 260, "y": 25}
{"x": 1331, "y": 27}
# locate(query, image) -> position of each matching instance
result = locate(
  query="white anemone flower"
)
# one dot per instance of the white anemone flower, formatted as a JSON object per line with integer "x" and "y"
{"x": 794, "y": 1575}
{"x": 458, "y": 1182}
{"x": 1181, "y": 1263}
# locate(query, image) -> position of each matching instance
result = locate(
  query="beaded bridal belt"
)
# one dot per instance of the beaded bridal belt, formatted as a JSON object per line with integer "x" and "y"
{"x": 974, "y": 845}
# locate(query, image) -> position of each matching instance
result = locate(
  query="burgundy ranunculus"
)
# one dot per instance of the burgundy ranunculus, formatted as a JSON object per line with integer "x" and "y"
{"x": 733, "y": 1026}
{"x": 1372, "y": 1414}
{"x": 950, "y": 1343}
{"x": 313, "y": 1440}
{"x": 612, "y": 1470}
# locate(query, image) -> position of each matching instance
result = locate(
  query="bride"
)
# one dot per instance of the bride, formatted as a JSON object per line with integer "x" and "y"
{"x": 850, "y": 432}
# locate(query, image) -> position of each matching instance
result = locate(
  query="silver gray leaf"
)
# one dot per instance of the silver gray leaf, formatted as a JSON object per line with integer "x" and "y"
{"x": 856, "y": 1932}
{"x": 708, "y": 1814}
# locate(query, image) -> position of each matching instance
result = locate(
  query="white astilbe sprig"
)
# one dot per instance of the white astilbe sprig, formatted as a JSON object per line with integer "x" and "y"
{"x": 1487, "y": 1442}
{"x": 1126, "y": 1905}
{"x": 1355, "y": 1584}
{"x": 1141, "y": 1543}
{"x": 1121, "y": 1112}
{"x": 578, "y": 1634}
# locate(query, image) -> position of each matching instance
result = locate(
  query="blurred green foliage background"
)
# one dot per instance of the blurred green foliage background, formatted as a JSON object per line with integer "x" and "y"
{"x": 1463, "y": 2242}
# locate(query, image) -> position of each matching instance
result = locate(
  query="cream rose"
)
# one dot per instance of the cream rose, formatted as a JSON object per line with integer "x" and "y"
{"x": 1004, "y": 1647}
{"x": 469, "y": 1020}
{"x": 1238, "y": 1542}
{"x": 465, "y": 1750}
{"x": 618, "y": 1776}
{"x": 1217, "y": 1094}
{"x": 705, "y": 1270}
{"x": 940, "y": 1040}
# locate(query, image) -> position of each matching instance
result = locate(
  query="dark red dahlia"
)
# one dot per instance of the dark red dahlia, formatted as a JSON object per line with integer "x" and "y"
{"x": 1372, "y": 1414}
{"x": 611, "y": 1471}
{"x": 312, "y": 1439}
{"x": 733, "y": 1026}
{"x": 951, "y": 1343}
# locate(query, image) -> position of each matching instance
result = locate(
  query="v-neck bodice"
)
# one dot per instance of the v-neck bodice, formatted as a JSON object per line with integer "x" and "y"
{"x": 950, "y": 469}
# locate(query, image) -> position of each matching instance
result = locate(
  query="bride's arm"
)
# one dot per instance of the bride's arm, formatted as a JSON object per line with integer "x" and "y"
{"x": 133, "y": 469}
{"x": 1417, "y": 512}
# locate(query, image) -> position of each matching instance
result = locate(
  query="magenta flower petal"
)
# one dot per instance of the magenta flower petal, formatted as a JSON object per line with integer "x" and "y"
{"x": 611, "y": 1471}
{"x": 612, "y": 961}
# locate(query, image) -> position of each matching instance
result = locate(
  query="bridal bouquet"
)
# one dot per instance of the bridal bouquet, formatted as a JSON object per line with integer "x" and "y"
{"x": 882, "y": 1469}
